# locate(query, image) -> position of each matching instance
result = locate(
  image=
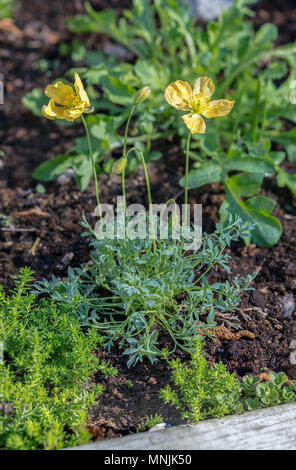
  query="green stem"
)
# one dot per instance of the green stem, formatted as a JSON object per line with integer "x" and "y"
{"x": 186, "y": 176}
{"x": 264, "y": 115}
{"x": 150, "y": 201}
{"x": 256, "y": 110}
{"x": 124, "y": 156}
{"x": 93, "y": 165}
{"x": 237, "y": 118}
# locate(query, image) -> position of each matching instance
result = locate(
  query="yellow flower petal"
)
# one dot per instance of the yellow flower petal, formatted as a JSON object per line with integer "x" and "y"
{"x": 195, "y": 123}
{"x": 177, "y": 94}
{"x": 48, "y": 112}
{"x": 52, "y": 111}
{"x": 205, "y": 86}
{"x": 61, "y": 93}
{"x": 70, "y": 114}
{"x": 80, "y": 91}
{"x": 218, "y": 108}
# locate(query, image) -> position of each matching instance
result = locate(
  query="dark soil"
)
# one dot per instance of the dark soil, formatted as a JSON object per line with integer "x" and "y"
{"x": 45, "y": 233}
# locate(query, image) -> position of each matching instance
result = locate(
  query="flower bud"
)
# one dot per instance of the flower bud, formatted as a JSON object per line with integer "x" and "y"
{"x": 88, "y": 110}
{"x": 142, "y": 95}
{"x": 119, "y": 166}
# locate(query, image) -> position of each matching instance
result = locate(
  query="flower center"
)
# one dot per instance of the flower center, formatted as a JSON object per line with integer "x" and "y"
{"x": 69, "y": 103}
{"x": 198, "y": 103}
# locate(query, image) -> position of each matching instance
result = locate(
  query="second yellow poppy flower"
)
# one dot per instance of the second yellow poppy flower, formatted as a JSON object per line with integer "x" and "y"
{"x": 64, "y": 102}
{"x": 180, "y": 95}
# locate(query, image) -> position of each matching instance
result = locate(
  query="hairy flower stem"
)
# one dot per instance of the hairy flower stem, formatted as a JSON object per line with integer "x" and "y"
{"x": 93, "y": 166}
{"x": 150, "y": 201}
{"x": 256, "y": 110}
{"x": 124, "y": 156}
{"x": 186, "y": 177}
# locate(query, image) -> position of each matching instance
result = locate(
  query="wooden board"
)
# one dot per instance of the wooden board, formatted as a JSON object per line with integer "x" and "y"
{"x": 272, "y": 428}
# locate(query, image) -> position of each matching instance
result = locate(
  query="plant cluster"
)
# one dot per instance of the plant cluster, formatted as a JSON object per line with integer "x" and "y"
{"x": 166, "y": 44}
{"x": 132, "y": 303}
{"x": 203, "y": 392}
{"x": 45, "y": 387}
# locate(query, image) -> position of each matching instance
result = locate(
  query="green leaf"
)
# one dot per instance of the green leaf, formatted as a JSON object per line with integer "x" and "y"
{"x": 266, "y": 34}
{"x": 245, "y": 184}
{"x": 83, "y": 180}
{"x": 34, "y": 101}
{"x": 207, "y": 173}
{"x": 117, "y": 91}
{"x": 286, "y": 179}
{"x": 81, "y": 24}
{"x": 210, "y": 141}
{"x": 275, "y": 71}
{"x": 100, "y": 22}
{"x": 152, "y": 75}
{"x": 153, "y": 156}
{"x": 51, "y": 169}
{"x": 250, "y": 164}
{"x": 277, "y": 157}
{"x": 256, "y": 210}
{"x": 258, "y": 149}
{"x": 288, "y": 140}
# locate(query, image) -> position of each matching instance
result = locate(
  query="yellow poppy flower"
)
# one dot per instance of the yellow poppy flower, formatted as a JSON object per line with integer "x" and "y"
{"x": 180, "y": 95}
{"x": 64, "y": 102}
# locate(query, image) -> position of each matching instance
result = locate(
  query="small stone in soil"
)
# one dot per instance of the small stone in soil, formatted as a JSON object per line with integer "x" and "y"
{"x": 288, "y": 305}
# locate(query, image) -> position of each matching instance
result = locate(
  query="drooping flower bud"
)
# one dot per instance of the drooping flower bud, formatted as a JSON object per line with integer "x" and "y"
{"x": 142, "y": 95}
{"x": 119, "y": 166}
{"x": 88, "y": 110}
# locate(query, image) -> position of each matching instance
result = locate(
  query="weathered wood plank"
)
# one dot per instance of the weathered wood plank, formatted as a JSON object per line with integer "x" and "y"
{"x": 272, "y": 428}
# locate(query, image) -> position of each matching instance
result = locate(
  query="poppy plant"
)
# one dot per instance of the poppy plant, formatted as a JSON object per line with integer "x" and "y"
{"x": 181, "y": 96}
{"x": 65, "y": 103}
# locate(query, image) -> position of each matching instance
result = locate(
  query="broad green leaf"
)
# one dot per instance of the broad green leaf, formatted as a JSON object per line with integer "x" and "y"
{"x": 210, "y": 141}
{"x": 207, "y": 173}
{"x": 250, "y": 164}
{"x": 83, "y": 170}
{"x": 35, "y": 100}
{"x": 256, "y": 210}
{"x": 117, "y": 91}
{"x": 258, "y": 149}
{"x": 277, "y": 157}
{"x": 150, "y": 75}
{"x": 51, "y": 169}
{"x": 245, "y": 184}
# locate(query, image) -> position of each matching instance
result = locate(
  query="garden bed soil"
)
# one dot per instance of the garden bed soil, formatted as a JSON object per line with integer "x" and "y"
{"x": 45, "y": 232}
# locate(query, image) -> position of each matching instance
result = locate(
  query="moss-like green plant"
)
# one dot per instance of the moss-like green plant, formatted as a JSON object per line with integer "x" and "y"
{"x": 151, "y": 421}
{"x": 45, "y": 391}
{"x": 200, "y": 391}
{"x": 203, "y": 392}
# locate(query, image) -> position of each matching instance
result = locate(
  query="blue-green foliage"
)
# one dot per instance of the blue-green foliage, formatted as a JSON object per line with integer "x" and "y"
{"x": 132, "y": 295}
